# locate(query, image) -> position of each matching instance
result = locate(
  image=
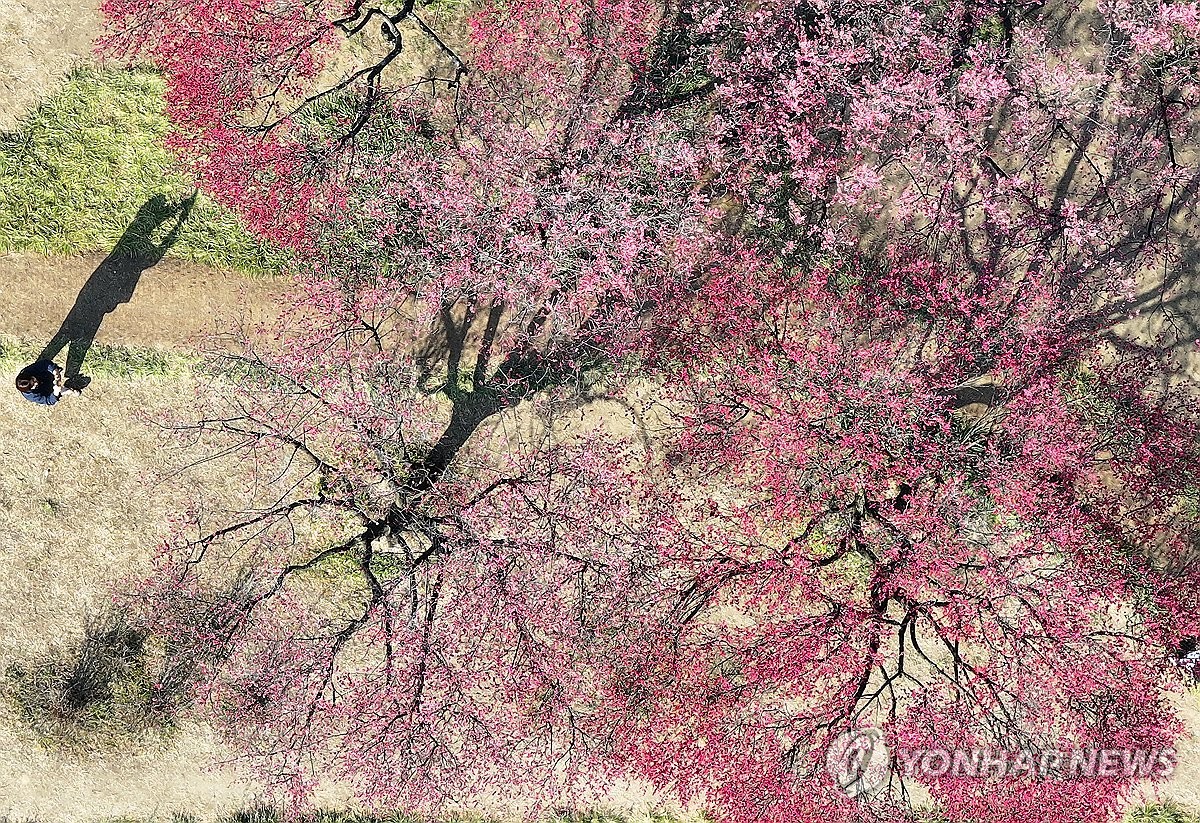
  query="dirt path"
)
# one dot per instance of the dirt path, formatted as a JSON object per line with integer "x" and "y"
{"x": 174, "y": 304}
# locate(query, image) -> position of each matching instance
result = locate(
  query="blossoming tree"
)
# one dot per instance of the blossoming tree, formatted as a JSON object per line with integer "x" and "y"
{"x": 912, "y": 470}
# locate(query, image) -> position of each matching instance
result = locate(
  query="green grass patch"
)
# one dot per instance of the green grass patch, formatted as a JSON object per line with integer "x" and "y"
{"x": 95, "y": 695}
{"x": 1168, "y": 812}
{"x": 108, "y": 361}
{"x": 80, "y": 166}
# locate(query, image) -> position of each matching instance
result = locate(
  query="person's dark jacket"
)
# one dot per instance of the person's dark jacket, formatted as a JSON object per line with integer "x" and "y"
{"x": 43, "y": 372}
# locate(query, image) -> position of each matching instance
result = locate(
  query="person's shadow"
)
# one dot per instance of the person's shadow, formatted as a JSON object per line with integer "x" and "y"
{"x": 114, "y": 281}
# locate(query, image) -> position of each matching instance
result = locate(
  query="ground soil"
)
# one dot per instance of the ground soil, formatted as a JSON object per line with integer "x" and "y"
{"x": 39, "y": 41}
{"x": 174, "y": 304}
{"x": 82, "y": 502}
{"x": 86, "y": 493}
{"x": 85, "y": 497}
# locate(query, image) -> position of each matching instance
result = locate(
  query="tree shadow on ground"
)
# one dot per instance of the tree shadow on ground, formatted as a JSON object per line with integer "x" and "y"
{"x": 90, "y": 695}
{"x": 115, "y": 280}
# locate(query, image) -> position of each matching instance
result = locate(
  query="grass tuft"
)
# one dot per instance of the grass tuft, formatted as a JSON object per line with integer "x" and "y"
{"x": 89, "y": 697}
{"x": 1168, "y": 812}
{"x": 79, "y": 166}
{"x": 108, "y": 361}
{"x": 263, "y": 813}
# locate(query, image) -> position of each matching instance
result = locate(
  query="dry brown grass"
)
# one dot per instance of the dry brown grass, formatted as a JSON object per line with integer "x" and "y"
{"x": 1184, "y": 786}
{"x": 84, "y": 501}
{"x": 39, "y": 41}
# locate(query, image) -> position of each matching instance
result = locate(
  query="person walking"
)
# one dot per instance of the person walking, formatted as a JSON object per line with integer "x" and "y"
{"x": 44, "y": 382}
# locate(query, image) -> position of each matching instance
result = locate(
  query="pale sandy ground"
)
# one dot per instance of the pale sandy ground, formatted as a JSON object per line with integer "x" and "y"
{"x": 39, "y": 41}
{"x": 81, "y": 508}
{"x": 175, "y": 303}
{"x": 1184, "y": 786}
{"x": 86, "y": 492}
